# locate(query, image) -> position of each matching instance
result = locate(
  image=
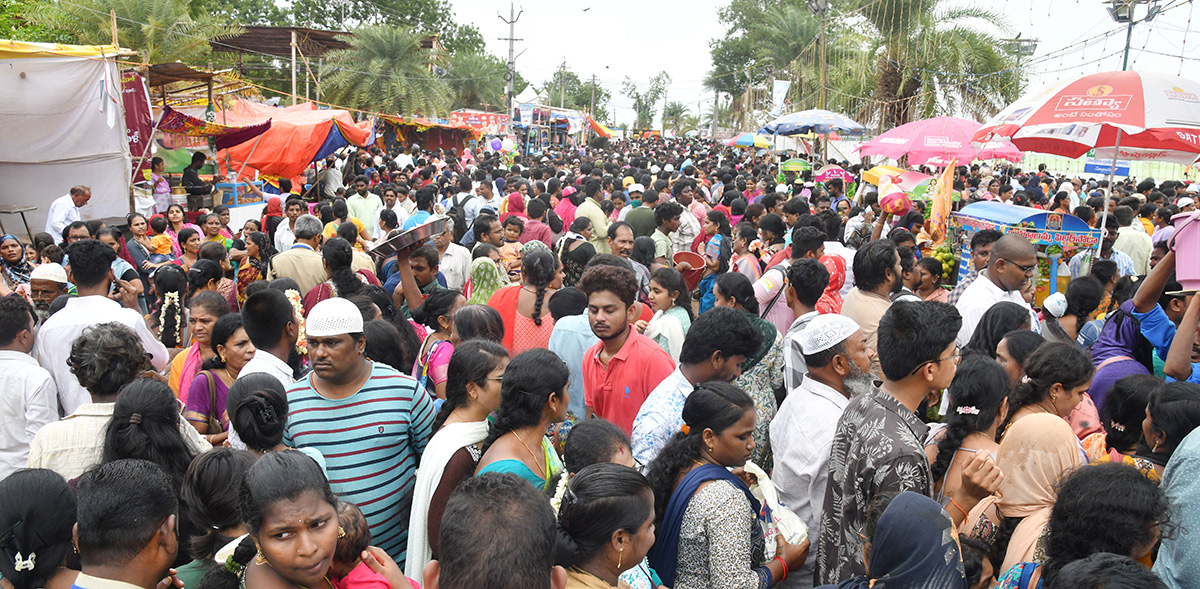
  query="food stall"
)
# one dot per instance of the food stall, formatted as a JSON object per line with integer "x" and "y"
{"x": 1056, "y": 236}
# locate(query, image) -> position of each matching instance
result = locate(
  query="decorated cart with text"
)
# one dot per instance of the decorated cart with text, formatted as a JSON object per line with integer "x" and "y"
{"x": 1056, "y": 236}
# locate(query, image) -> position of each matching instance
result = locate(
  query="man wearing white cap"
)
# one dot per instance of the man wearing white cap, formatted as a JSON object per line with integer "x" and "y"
{"x": 839, "y": 364}
{"x": 368, "y": 420}
{"x": 47, "y": 282}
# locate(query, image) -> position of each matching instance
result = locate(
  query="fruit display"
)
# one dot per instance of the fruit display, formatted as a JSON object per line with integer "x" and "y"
{"x": 945, "y": 255}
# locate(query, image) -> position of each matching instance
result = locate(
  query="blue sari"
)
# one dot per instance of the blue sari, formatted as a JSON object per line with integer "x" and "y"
{"x": 665, "y": 553}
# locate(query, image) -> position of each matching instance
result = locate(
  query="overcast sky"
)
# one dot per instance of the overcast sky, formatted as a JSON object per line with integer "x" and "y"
{"x": 674, "y": 36}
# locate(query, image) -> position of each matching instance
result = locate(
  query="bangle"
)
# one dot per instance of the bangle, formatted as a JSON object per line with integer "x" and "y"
{"x": 959, "y": 507}
{"x": 784, "y": 565}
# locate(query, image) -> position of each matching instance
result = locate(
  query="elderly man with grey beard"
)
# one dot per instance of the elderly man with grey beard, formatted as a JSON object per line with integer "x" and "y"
{"x": 46, "y": 283}
{"x": 839, "y": 367}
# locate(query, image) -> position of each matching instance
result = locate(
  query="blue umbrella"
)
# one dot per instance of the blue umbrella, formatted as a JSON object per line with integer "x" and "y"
{"x": 811, "y": 121}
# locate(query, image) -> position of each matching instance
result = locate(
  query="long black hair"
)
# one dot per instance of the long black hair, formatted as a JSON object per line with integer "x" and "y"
{"x": 227, "y": 325}
{"x": 258, "y": 409}
{"x": 1050, "y": 364}
{"x": 539, "y": 267}
{"x": 714, "y": 406}
{"x": 471, "y": 362}
{"x": 339, "y": 255}
{"x": 171, "y": 279}
{"x": 145, "y": 425}
{"x": 600, "y": 500}
{"x": 736, "y": 286}
{"x": 671, "y": 280}
{"x": 274, "y": 477}
{"x": 1175, "y": 410}
{"x": 210, "y": 494}
{"x": 643, "y": 251}
{"x": 1124, "y": 409}
{"x": 434, "y": 307}
{"x": 1000, "y": 319}
{"x": 36, "y": 517}
{"x": 976, "y": 393}
{"x": 529, "y": 380}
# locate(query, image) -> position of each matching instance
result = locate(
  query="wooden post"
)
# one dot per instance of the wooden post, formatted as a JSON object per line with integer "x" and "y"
{"x": 293, "y": 67}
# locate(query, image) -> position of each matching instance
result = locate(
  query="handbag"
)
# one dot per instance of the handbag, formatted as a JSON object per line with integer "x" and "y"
{"x": 214, "y": 424}
{"x": 775, "y": 518}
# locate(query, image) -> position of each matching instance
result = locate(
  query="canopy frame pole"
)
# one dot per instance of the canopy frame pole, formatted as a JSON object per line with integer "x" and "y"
{"x": 248, "y": 156}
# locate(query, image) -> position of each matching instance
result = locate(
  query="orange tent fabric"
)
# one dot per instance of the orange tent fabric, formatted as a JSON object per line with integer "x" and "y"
{"x": 296, "y": 136}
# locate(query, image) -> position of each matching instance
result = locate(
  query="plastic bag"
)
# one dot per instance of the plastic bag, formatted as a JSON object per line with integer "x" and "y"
{"x": 774, "y": 517}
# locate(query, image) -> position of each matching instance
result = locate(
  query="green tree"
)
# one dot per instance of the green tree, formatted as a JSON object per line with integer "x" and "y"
{"x": 644, "y": 100}
{"x": 15, "y": 24}
{"x": 477, "y": 80}
{"x": 673, "y": 116}
{"x": 427, "y": 17}
{"x": 386, "y": 70}
{"x": 161, "y": 30}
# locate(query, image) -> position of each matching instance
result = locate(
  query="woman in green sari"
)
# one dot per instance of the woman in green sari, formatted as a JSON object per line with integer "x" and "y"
{"x": 762, "y": 374}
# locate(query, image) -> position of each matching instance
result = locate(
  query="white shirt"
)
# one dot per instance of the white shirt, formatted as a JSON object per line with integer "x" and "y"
{"x": 401, "y": 217}
{"x": 28, "y": 400}
{"x": 660, "y": 417}
{"x": 62, "y": 212}
{"x": 284, "y": 236}
{"x": 802, "y": 438}
{"x": 977, "y": 299}
{"x": 54, "y": 338}
{"x": 455, "y": 266}
{"x": 266, "y": 363}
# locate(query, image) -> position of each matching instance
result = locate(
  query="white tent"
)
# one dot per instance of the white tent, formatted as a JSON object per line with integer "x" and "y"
{"x": 61, "y": 125}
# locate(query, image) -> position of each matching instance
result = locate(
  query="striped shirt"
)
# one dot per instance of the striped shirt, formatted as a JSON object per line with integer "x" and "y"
{"x": 371, "y": 441}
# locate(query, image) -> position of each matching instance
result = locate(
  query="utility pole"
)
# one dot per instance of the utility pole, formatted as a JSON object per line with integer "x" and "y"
{"x": 562, "y": 84}
{"x": 510, "y": 74}
{"x": 592, "y": 108}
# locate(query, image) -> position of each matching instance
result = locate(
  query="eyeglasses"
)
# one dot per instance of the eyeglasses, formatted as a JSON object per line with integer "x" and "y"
{"x": 1028, "y": 270}
{"x": 953, "y": 356}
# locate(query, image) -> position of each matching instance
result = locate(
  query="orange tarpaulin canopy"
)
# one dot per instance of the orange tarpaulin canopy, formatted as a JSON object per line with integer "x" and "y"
{"x": 298, "y": 135}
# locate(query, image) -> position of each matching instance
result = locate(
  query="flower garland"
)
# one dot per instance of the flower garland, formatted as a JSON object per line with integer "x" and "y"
{"x": 560, "y": 491}
{"x": 171, "y": 299}
{"x": 298, "y": 308}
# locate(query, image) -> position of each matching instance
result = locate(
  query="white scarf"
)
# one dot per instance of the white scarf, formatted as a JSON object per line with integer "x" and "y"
{"x": 449, "y": 439}
{"x": 669, "y": 327}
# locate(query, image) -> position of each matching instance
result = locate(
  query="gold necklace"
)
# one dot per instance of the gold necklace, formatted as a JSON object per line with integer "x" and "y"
{"x": 527, "y": 449}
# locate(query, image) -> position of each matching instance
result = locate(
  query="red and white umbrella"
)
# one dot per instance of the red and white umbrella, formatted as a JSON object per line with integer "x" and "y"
{"x": 937, "y": 141}
{"x": 1158, "y": 117}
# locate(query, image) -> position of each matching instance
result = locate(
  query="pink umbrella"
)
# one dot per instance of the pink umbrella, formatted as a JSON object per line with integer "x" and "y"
{"x": 936, "y": 142}
{"x": 1145, "y": 116}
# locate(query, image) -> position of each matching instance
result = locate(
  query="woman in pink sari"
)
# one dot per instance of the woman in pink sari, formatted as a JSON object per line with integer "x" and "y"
{"x": 567, "y": 205}
{"x": 831, "y": 299}
{"x": 203, "y": 311}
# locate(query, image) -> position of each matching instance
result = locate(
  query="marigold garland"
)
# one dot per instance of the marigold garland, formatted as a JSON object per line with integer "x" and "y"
{"x": 298, "y": 308}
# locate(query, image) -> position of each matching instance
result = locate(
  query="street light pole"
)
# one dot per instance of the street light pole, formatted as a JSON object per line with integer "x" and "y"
{"x": 510, "y": 74}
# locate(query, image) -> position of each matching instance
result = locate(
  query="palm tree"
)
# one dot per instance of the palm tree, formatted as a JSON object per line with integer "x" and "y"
{"x": 477, "y": 80}
{"x": 930, "y": 60}
{"x": 161, "y": 30}
{"x": 386, "y": 70}
{"x": 672, "y": 116}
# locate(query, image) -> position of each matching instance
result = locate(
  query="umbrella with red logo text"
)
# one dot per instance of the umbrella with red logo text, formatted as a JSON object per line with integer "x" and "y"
{"x": 1140, "y": 116}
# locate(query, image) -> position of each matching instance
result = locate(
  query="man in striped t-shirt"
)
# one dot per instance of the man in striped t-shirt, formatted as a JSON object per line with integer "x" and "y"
{"x": 367, "y": 419}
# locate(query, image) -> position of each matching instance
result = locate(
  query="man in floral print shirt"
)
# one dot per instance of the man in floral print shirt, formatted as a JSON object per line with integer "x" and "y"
{"x": 878, "y": 447}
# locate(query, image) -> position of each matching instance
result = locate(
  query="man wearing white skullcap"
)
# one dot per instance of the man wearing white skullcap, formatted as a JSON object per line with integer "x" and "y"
{"x": 838, "y": 367}
{"x": 367, "y": 419}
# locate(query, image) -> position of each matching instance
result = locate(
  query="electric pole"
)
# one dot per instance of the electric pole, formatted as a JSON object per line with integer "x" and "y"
{"x": 510, "y": 75}
{"x": 562, "y": 84}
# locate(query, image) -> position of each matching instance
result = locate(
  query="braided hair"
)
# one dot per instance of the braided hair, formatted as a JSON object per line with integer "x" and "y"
{"x": 976, "y": 393}
{"x": 339, "y": 255}
{"x": 530, "y": 379}
{"x": 539, "y": 267}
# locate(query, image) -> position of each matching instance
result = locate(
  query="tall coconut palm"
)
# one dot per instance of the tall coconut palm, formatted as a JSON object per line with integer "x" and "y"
{"x": 385, "y": 69}
{"x": 160, "y": 30}
{"x": 477, "y": 80}
{"x": 930, "y": 60}
{"x": 673, "y": 115}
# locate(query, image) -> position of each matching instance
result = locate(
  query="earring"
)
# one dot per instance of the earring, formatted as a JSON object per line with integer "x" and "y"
{"x": 341, "y": 532}
{"x": 620, "y": 554}
{"x": 1156, "y": 443}
{"x": 1053, "y": 398}
{"x": 260, "y": 558}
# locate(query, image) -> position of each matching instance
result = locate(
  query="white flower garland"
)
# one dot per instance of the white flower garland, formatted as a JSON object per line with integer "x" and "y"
{"x": 293, "y": 296}
{"x": 560, "y": 491}
{"x": 169, "y": 299}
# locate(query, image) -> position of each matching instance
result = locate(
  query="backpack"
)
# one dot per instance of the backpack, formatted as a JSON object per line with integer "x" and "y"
{"x": 459, "y": 215}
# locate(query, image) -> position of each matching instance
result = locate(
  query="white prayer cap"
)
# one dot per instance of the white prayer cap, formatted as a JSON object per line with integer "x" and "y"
{"x": 826, "y": 331}
{"x": 334, "y": 316}
{"x": 49, "y": 271}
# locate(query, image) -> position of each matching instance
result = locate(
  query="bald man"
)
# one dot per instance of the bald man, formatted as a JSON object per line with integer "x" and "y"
{"x": 1011, "y": 266}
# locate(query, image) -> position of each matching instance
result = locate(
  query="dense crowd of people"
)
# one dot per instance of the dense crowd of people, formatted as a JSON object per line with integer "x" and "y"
{"x": 656, "y": 363}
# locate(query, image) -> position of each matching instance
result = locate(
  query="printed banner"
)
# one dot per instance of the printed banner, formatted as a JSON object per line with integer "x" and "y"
{"x": 939, "y": 211}
{"x": 778, "y": 93}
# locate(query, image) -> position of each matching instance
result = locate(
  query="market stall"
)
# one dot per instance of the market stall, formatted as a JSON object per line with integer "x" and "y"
{"x": 429, "y": 134}
{"x": 1056, "y": 236}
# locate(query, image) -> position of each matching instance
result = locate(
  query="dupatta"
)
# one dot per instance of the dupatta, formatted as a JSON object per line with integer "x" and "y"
{"x": 665, "y": 554}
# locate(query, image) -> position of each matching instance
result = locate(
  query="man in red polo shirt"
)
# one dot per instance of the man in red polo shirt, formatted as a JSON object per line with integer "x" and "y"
{"x": 624, "y": 366}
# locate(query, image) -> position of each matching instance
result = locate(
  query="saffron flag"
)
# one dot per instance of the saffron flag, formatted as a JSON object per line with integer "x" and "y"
{"x": 939, "y": 192}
